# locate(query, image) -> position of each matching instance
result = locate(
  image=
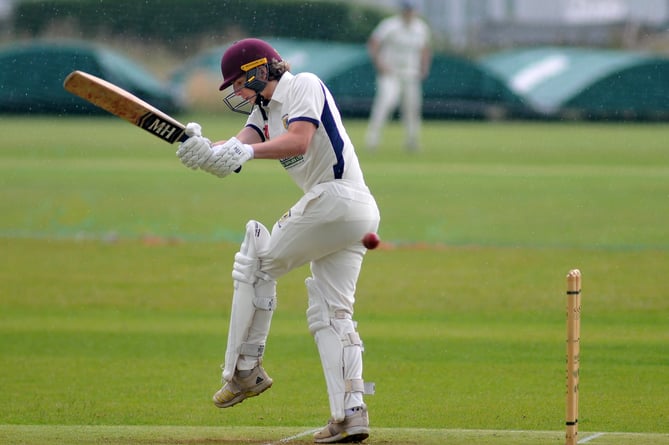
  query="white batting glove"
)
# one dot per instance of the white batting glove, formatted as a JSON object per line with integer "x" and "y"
{"x": 194, "y": 151}
{"x": 245, "y": 268}
{"x": 228, "y": 157}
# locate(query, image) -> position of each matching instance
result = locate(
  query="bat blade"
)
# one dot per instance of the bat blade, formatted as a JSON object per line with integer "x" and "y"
{"x": 125, "y": 105}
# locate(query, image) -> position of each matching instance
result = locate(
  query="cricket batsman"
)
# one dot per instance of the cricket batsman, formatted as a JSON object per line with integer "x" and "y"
{"x": 294, "y": 120}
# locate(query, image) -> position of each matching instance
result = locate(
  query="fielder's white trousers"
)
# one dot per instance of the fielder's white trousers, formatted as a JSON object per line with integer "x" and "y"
{"x": 390, "y": 90}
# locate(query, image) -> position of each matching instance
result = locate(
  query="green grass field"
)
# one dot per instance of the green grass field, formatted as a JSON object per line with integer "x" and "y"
{"x": 116, "y": 285}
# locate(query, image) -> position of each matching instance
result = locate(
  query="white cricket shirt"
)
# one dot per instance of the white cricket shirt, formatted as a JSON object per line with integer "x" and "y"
{"x": 331, "y": 155}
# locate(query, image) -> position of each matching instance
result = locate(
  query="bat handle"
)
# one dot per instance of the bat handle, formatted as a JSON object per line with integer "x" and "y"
{"x": 185, "y": 136}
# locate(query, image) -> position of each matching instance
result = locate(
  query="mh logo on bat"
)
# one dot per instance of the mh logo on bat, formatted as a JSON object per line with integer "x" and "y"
{"x": 161, "y": 128}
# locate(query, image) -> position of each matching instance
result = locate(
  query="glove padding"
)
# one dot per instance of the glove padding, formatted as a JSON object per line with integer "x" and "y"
{"x": 196, "y": 149}
{"x": 227, "y": 158}
{"x": 245, "y": 268}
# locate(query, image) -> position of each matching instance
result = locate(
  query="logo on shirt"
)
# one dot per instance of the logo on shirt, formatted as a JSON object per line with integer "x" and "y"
{"x": 292, "y": 162}
{"x": 284, "y": 219}
{"x": 284, "y": 119}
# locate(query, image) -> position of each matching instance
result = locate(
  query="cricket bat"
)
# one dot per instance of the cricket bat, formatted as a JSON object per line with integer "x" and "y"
{"x": 125, "y": 105}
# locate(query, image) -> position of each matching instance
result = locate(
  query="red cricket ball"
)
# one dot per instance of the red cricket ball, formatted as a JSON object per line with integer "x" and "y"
{"x": 371, "y": 240}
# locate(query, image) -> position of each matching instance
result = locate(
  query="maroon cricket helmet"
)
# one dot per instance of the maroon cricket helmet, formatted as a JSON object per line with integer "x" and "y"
{"x": 244, "y": 55}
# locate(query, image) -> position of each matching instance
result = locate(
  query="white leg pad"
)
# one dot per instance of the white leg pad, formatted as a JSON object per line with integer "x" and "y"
{"x": 252, "y": 309}
{"x": 340, "y": 350}
{"x": 264, "y": 304}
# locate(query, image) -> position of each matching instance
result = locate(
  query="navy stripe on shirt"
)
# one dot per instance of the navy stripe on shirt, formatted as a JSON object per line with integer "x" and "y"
{"x": 305, "y": 119}
{"x": 258, "y": 130}
{"x": 330, "y": 126}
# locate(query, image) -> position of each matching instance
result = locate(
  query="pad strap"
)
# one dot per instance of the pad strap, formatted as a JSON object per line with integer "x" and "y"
{"x": 359, "y": 385}
{"x": 355, "y": 385}
{"x": 251, "y": 350}
{"x": 265, "y": 303}
{"x": 351, "y": 339}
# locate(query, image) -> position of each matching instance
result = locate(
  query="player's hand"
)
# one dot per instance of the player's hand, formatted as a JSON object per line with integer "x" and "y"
{"x": 236, "y": 153}
{"x": 228, "y": 157}
{"x": 194, "y": 151}
{"x": 244, "y": 268}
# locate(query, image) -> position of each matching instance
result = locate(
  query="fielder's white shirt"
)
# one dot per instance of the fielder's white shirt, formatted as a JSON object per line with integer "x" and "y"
{"x": 401, "y": 44}
{"x": 331, "y": 155}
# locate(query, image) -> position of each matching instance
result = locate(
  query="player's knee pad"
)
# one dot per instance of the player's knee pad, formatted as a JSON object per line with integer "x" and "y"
{"x": 253, "y": 303}
{"x": 339, "y": 347}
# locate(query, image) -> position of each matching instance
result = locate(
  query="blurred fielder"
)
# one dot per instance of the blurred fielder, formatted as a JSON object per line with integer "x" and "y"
{"x": 293, "y": 119}
{"x": 400, "y": 50}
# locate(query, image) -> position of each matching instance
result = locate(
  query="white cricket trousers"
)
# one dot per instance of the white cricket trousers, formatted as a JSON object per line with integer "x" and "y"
{"x": 324, "y": 228}
{"x": 392, "y": 89}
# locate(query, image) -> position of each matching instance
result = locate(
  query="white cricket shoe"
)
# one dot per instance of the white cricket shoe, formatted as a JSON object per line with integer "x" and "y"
{"x": 354, "y": 428}
{"x": 240, "y": 388}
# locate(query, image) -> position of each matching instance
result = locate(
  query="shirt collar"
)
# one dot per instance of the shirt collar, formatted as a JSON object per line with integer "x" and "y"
{"x": 281, "y": 90}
